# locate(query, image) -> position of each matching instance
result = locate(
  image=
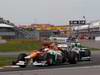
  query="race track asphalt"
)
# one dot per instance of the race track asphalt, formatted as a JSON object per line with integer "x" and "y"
{"x": 90, "y": 43}
{"x": 81, "y": 68}
{"x": 89, "y": 70}
{"x": 94, "y": 61}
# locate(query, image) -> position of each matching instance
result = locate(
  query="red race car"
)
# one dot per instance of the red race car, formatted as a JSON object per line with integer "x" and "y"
{"x": 49, "y": 55}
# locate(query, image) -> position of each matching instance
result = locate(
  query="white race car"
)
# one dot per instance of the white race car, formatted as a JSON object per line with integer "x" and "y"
{"x": 82, "y": 52}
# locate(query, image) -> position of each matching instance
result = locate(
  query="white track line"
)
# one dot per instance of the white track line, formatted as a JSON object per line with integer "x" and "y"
{"x": 11, "y": 66}
{"x": 1, "y": 68}
{"x": 4, "y": 67}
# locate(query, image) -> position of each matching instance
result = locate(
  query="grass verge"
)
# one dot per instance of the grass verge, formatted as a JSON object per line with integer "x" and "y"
{"x": 20, "y": 45}
{"x": 5, "y": 61}
{"x": 92, "y": 49}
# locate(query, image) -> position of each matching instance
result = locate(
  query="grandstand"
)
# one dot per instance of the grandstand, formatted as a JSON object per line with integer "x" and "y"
{"x": 90, "y": 30}
{"x": 9, "y": 31}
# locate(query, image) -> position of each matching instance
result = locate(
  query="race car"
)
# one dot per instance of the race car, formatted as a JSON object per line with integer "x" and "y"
{"x": 46, "y": 57}
{"x": 83, "y": 53}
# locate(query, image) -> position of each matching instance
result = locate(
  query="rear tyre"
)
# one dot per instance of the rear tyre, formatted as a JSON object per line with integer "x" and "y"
{"x": 88, "y": 54}
{"x": 72, "y": 58}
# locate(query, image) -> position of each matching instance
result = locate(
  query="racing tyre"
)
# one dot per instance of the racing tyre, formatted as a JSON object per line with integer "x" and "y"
{"x": 88, "y": 53}
{"x": 49, "y": 59}
{"x": 21, "y": 57}
{"x": 72, "y": 58}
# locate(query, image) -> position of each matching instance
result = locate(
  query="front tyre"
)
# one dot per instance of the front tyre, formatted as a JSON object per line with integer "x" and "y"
{"x": 21, "y": 57}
